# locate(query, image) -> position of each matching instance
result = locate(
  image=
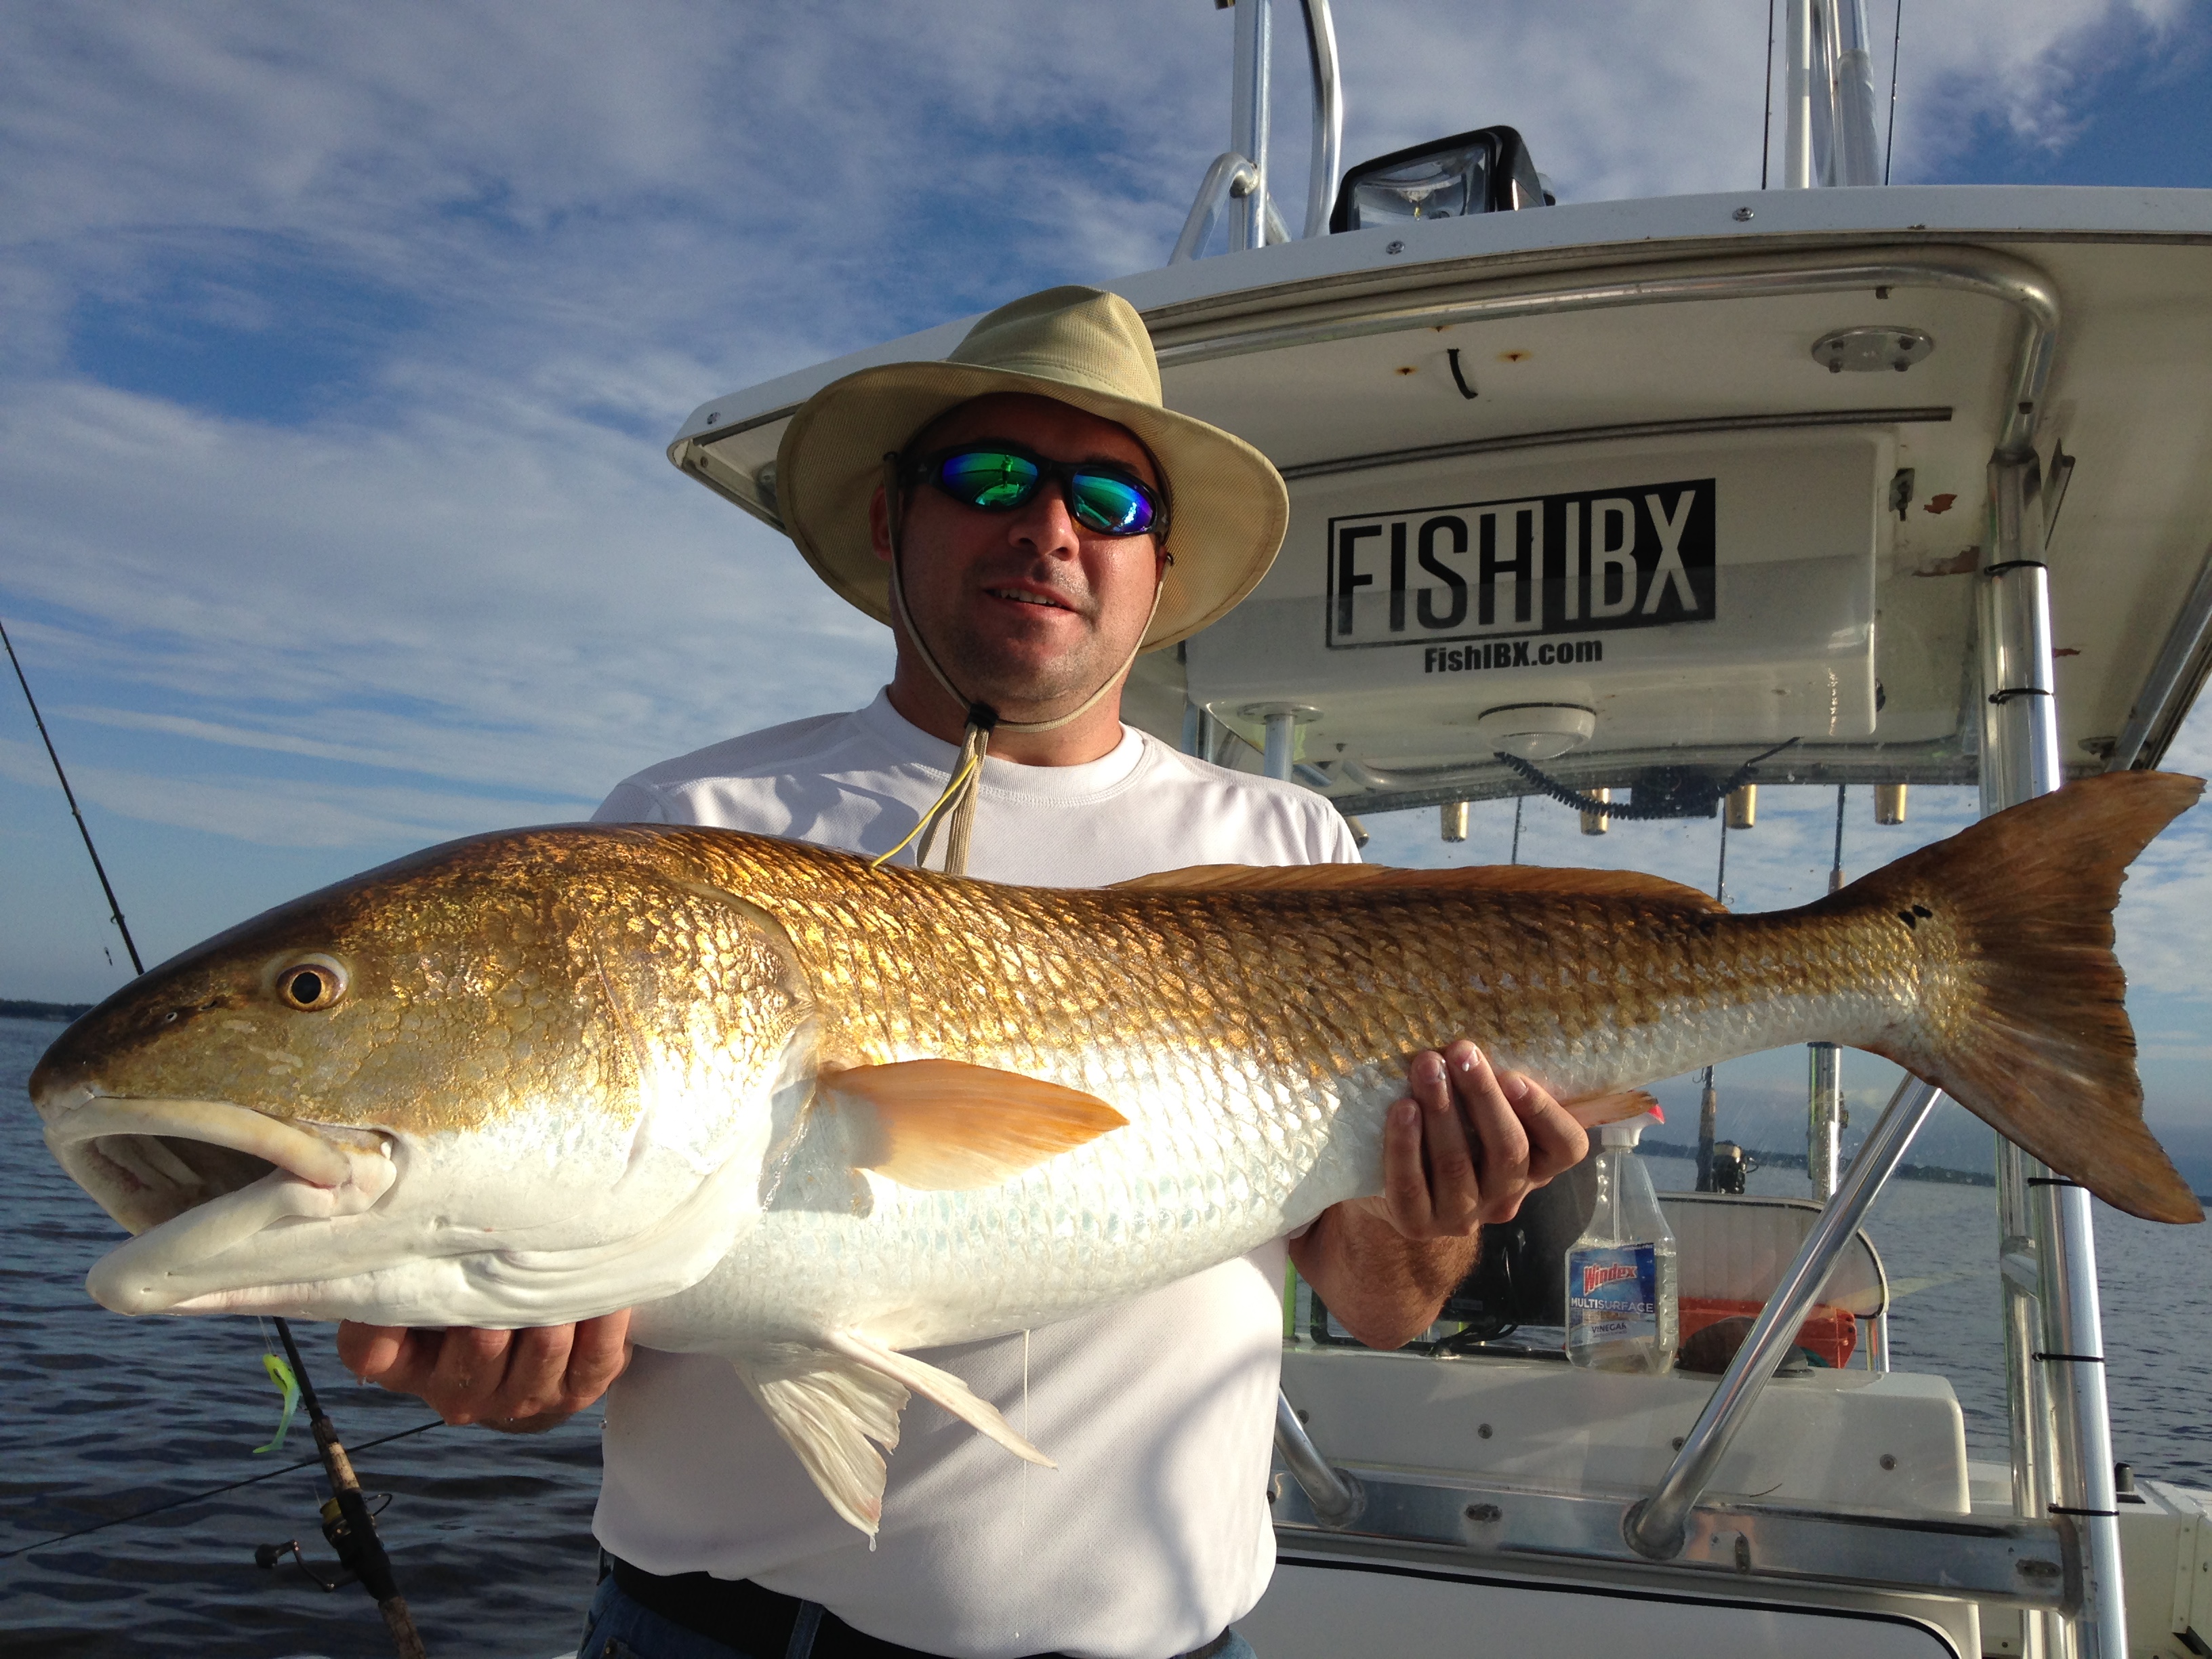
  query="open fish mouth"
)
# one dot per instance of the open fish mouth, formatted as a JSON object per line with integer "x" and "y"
{"x": 193, "y": 1178}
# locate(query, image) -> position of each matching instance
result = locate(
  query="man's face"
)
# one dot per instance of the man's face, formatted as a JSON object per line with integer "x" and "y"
{"x": 1025, "y": 608}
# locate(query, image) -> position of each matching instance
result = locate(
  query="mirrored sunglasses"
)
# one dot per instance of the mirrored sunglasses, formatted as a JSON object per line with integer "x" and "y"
{"x": 999, "y": 479}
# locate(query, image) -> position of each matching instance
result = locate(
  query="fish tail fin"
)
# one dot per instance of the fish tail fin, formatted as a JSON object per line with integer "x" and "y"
{"x": 2024, "y": 1020}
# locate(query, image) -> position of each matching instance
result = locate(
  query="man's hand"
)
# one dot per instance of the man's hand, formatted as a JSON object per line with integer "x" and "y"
{"x": 516, "y": 1381}
{"x": 1469, "y": 1146}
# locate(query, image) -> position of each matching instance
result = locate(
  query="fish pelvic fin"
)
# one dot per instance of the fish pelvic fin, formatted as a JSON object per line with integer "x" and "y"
{"x": 939, "y": 1387}
{"x": 2025, "y": 1024}
{"x": 835, "y": 1404}
{"x": 833, "y": 1412}
{"x": 945, "y": 1125}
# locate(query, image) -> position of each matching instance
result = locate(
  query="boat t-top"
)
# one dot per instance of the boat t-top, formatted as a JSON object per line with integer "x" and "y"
{"x": 1637, "y": 506}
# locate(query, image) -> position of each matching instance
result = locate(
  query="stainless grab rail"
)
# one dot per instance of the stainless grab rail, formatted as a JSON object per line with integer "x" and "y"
{"x": 1334, "y": 1495}
{"x": 1327, "y": 116}
{"x": 1230, "y": 175}
{"x": 2054, "y": 1342}
{"x": 1656, "y": 1528}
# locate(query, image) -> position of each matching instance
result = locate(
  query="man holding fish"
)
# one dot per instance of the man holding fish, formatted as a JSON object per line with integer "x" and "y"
{"x": 750, "y": 1124}
{"x": 1028, "y": 518}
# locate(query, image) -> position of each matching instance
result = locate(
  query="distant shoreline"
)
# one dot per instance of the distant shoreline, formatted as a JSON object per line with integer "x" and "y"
{"x": 1934, "y": 1172}
{"x": 12, "y": 1008}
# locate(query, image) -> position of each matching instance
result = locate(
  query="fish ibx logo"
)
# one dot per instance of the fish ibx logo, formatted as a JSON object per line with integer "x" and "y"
{"x": 1634, "y": 556}
{"x": 1596, "y": 1274}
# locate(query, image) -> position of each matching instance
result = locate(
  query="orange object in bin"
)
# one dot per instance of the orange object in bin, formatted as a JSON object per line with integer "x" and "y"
{"x": 1831, "y": 1333}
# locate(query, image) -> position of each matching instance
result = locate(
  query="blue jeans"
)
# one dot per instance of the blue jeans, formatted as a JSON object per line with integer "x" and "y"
{"x": 618, "y": 1628}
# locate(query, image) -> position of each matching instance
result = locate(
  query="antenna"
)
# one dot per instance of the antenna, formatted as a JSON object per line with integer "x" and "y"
{"x": 1896, "y": 39}
{"x": 1767, "y": 124}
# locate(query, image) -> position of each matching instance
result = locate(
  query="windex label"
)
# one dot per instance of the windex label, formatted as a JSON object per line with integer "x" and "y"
{"x": 1613, "y": 1294}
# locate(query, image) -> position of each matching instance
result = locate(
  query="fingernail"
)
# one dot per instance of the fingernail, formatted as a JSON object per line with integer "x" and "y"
{"x": 1429, "y": 1068}
{"x": 1516, "y": 1087}
{"x": 1402, "y": 1114}
{"x": 1472, "y": 1059}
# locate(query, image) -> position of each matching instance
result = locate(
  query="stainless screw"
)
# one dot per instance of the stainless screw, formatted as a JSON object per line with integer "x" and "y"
{"x": 1677, "y": 1442}
{"x": 1483, "y": 1428}
{"x": 1484, "y": 1512}
{"x": 1743, "y": 215}
{"x": 1395, "y": 247}
{"x": 1889, "y": 1460}
{"x": 713, "y": 415}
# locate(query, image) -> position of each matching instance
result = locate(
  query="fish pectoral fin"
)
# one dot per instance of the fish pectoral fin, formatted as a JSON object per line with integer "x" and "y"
{"x": 833, "y": 1410}
{"x": 944, "y": 1125}
{"x": 940, "y": 1388}
{"x": 1591, "y": 1110}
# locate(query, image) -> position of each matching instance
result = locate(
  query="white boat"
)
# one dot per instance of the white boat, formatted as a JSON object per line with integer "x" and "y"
{"x": 1662, "y": 498}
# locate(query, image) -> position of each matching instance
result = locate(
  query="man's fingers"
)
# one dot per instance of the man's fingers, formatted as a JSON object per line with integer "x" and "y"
{"x": 471, "y": 1366}
{"x": 370, "y": 1352}
{"x": 598, "y": 1356}
{"x": 1404, "y": 1183}
{"x": 1556, "y": 1142}
{"x": 1503, "y": 1143}
{"x": 537, "y": 1370}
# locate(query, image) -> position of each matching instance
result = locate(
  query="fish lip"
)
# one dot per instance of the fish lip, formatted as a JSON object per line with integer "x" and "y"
{"x": 123, "y": 1151}
{"x": 91, "y": 1115}
{"x": 187, "y": 1216}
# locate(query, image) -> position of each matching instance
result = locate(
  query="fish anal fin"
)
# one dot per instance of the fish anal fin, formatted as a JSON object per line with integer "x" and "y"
{"x": 939, "y": 1386}
{"x": 1593, "y": 1110}
{"x": 945, "y": 1125}
{"x": 1470, "y": 880}
{"x": 833, "y": 1412}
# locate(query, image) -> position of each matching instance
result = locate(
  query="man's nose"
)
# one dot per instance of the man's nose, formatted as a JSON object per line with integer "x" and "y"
{"x": 1044, "y": 523}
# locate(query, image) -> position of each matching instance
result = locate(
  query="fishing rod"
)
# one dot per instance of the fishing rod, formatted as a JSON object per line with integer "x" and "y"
{"x": 352, "y": 1529}
{"x": 352, "y": 1532}
{"x": 114, "y": 906}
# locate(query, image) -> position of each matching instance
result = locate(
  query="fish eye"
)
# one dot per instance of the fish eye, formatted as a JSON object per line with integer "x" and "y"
{"x": 310, "y": 984}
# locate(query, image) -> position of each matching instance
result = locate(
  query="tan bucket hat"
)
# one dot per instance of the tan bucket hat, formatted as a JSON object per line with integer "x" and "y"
{"x": 1086, "y": 347}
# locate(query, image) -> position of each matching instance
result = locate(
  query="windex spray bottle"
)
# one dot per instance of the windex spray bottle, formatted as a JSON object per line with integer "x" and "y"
{"x": 1622, "y": 1311}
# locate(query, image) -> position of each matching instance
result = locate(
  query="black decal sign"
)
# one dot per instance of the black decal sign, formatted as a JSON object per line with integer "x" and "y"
{"x": 1636, "y": 556}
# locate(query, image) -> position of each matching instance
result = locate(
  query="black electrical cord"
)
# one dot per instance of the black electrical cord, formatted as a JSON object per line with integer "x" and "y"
{"x": 1697, "y": 799}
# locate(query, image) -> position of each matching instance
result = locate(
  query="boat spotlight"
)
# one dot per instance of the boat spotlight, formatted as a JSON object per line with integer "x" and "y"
{"x": 1487, "y": 170}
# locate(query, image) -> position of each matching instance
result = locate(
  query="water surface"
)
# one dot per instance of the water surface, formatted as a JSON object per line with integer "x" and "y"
{"x": 101, "y": 1416}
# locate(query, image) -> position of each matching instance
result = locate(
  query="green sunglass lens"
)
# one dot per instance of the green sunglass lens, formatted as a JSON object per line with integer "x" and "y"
{"x": 1111, "y": 506}
{"x": 989, "y": 479}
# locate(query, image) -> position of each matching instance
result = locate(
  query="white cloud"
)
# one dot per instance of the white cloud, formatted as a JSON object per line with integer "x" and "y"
{"x": 492, "y": 254}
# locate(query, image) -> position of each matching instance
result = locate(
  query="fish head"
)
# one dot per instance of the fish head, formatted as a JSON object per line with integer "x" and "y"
{"x": 504, "y": 1081}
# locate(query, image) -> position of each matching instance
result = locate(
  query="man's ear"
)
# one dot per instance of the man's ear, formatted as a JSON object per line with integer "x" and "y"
{"x": 879, "y": 525}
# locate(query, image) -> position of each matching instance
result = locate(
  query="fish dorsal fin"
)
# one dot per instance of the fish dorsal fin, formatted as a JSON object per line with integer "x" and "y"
{"x": 1465, "y": 879}
{"x": 945, "y": 1125}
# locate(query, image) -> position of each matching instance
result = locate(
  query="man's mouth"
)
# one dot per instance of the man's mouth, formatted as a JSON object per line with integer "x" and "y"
{"x": 1028, "y": 596}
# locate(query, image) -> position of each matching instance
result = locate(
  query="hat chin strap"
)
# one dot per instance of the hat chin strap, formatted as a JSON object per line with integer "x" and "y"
{"x": 955, "y": 808}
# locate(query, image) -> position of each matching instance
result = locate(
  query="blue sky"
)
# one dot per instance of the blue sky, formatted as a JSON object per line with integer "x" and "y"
{"x": 338, "y": 345}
